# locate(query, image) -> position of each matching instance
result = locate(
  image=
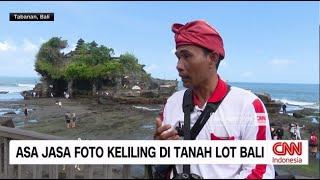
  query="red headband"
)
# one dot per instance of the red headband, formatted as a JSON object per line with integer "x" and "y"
{"x": 199, "y": 33}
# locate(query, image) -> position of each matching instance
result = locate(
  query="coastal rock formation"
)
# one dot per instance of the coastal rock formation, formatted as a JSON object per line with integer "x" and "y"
{"x": 91, "y": 70}
{"x": 306, "y": 112}
{"x": 297, "y": 115}
{"x": 271, "y": 105}
{"x": 10, "y": 112}
{"x": 6, "y": 121}
{"x": 138, "y": 100}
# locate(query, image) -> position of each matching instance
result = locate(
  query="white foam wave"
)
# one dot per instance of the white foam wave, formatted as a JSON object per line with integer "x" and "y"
{"x": 14, "y": 89}
{"x": 26, "y": 85}
{"x": 146, "y": 108}
{"x": 311, "y": 105}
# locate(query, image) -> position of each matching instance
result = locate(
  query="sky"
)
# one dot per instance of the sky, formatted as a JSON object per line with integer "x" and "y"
{"x": 270, "y": 42}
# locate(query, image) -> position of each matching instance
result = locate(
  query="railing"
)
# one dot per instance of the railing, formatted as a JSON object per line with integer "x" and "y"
{"x": 8, "y": 171}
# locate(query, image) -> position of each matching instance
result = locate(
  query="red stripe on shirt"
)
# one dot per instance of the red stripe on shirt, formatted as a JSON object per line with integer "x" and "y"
{"x": 259, "y": 169}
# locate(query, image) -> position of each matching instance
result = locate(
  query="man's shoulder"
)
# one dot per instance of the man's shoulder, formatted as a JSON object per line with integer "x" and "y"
{"x": 243, "y": 93}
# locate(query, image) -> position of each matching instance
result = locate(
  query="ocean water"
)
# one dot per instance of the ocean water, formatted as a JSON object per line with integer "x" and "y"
{"x": 15, "y": 85}
{"x": 296, "y": 96}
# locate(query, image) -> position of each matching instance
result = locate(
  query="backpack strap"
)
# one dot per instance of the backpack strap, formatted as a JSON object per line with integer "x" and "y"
{"x": 187, "y": 106}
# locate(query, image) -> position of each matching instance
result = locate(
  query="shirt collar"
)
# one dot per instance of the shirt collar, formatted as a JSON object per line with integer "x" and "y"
{"x": 219, "y": 92}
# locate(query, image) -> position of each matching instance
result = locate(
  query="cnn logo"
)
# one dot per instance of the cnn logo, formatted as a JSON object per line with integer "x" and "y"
{"x": 283, "y": 148}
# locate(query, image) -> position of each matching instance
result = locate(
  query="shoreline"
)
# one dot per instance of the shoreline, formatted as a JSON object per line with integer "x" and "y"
{"x": 45, "y": 112}
{"x": 114, "y": 121}
{"x": 94, "y": 121}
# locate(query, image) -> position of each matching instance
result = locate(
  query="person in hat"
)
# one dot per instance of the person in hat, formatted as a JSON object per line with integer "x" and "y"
{"x": 241, "y": 115}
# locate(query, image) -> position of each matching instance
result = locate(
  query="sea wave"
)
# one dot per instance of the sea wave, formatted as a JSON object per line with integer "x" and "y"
{"x": 301, "y": 104}
{"x": 146, "y": 108}
{"x": 19, "y": 88}
{"x": 26, "y": 85}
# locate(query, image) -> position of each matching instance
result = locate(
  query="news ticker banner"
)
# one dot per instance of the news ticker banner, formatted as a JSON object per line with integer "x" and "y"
{"x": 158, "y": 152}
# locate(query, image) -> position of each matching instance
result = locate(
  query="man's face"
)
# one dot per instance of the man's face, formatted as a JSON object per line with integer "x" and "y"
{"x": 193, "y": 65}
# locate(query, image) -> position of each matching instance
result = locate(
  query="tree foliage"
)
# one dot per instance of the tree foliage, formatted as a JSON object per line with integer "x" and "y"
{"x": 130, "y": 62}
{"x": 88, "y": 61}
{"x": 49, "y": 59}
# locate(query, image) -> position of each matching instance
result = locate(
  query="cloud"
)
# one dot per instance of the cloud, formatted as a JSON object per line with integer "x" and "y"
{"x": 278, "y": 62}
{"x": 6, "y": 46}
{"x": 28, "y": 46}
{"x": 247, "y": 74}
{"x": 19, "y": 57}
{"x": 151, "y": 68}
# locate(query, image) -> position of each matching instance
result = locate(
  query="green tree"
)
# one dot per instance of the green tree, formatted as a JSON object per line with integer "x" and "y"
{"x": 129, "y": 62}
{"x": 89, "y": 62}
{"x": 49, "y": 60}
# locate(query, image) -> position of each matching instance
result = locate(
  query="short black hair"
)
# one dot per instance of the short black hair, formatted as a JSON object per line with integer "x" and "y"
{"x": 207, "y": 52}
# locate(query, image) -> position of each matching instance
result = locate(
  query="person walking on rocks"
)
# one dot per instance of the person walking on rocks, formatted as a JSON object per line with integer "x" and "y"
{"x": 313, "y": 143}
{"x": 297, "y": 128}
{"x": 25, "y": 115}
{"x": 284, "y": 108}
{"x": 67, "y": 116}
{"x": 74, "y": 118}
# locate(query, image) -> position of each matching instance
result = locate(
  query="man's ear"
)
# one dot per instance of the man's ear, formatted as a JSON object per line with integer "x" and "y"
{"x": 214, "y": 59}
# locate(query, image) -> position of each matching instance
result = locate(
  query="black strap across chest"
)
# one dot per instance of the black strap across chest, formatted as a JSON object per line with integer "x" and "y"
{"x": 187, "y": 106}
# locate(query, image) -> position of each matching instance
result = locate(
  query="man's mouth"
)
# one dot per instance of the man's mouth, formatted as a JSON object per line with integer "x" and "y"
{"x": 184, "y": 78}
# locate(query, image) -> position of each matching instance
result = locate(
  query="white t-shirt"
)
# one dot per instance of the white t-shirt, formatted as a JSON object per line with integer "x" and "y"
{"x": 240, "y": 116}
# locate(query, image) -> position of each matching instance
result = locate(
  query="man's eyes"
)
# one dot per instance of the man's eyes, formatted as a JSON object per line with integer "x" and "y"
{"x": 184, "y": 56}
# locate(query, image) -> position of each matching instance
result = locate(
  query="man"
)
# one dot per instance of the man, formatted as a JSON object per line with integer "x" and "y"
{"x": 313, "y": 143}
{"x": 25, "y": 115}
{"x": 292, "y": 130}
{"x": 74, "y": 118}
{"x": 297, "y": 129}
{"x": 67, "y": 116}
{"x": 273, "y": 134}
{"x": 199, "y": 49}
{"x": 284, "y": 109}
{"x": 280, "y": 132}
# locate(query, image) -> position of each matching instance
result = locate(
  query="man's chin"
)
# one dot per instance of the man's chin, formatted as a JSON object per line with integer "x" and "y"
{"x": 186, "y": 84}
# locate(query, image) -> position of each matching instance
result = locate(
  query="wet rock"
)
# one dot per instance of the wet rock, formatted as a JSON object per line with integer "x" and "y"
{"x": 149, "y": 94}
{"x": 138, "y": 100}
{"x": 298, "y": 115}
{"x": 265, "y": 97}
{"x": 6, "y": 121}
{"x": 10, "y": 112}
{"x": 307, "y": 112}
{"x": 271, "y": 105}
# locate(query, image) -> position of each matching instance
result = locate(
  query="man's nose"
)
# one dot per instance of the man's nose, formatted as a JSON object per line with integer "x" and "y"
{"x": 180, "y": 66}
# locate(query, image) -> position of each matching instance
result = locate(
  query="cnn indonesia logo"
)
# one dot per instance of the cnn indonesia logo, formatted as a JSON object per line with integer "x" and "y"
{"x": 292, "y": 149}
